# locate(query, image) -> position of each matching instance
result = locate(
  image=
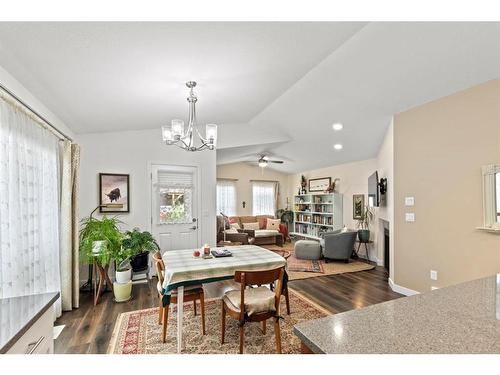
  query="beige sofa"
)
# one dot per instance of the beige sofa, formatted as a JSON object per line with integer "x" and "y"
{"x": 261, "y": 236}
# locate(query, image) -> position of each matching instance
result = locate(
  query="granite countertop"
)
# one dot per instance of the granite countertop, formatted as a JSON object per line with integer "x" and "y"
{"x": 17, "y": 315}
{"x": 463, "y": 318}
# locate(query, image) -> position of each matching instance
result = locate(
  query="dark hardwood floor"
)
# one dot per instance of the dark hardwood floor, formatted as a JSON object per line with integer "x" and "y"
{"x": 89, "y": 329}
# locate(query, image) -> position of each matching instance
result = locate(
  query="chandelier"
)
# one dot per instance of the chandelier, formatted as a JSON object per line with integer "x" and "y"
{"x": 174, "y": 133}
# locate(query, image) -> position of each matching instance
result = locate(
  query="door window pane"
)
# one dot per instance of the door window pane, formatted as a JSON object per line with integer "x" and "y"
{"x": 175, "y": 205}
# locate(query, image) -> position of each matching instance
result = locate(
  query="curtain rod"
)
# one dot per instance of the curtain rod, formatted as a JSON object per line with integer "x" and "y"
{"x": 52, "y": 127}
{"x": 263, "y": 181}
{"x": 226, "y": 179}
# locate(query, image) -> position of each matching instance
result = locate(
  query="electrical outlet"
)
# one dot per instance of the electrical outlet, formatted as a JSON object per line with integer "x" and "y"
{"x": 410, "y": 217}
{"x": 434, "y": 275}
{"x": 409, "y": 201}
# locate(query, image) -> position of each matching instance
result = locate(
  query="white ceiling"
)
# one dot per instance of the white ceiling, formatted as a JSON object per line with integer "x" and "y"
{"x": 273, "y": 87}
{"x": 122, "y": 76}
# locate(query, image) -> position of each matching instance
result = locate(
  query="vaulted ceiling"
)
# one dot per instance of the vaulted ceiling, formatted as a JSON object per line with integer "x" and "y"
{"x": 273, "y": 87}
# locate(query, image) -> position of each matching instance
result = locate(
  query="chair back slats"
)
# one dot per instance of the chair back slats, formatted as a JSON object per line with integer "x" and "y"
{"x": 259, "y": 277}
{"x": 160, "y": 266}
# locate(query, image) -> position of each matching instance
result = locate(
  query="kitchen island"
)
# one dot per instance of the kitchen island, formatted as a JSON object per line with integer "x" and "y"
{"x": 26, "y": 324}
{"x": 463, "y": 318}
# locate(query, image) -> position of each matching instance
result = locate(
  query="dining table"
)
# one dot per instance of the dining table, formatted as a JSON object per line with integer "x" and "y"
{"x": 183, "y": 269}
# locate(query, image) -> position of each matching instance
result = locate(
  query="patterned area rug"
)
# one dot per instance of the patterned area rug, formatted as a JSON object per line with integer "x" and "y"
{"x": 304, "y": 265}
{"x": 314, "y": 268}
{"x": 138, "y": 332}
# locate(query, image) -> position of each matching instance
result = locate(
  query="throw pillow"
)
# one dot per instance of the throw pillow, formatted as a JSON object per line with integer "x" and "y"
{"x": 273, "y": 224}
{"x": 231, "y": 230}
{"x": 262, "y": 222}
{"x": 235, "y": 226}
{"x": 251, "y": 226}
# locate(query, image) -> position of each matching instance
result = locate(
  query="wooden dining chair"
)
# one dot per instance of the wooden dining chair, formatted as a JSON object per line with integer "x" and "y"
{"x": 285, "y": 254}
{"x": 191, "y": 293}
{"x": 257, "y": 304}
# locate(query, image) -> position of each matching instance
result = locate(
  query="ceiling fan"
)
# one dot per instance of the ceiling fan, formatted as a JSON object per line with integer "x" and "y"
{"x": 264, "y": 161}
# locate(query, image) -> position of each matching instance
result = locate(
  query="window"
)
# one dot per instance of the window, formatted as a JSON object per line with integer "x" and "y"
{"x": 264, "y": 194}
{"x": 29, "y": 205}
{"x": 175, "y": 191}
{"x": 497, "y": 190}
{"x": 226, "y": 197}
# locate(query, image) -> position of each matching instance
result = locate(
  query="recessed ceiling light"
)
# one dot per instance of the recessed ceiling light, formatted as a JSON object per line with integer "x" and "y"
{"x": 337, "y": 126}
{"x": 338, "y": 146}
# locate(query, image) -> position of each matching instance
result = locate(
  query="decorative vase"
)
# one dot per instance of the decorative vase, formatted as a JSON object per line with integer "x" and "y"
{"x": 122, "y": 292}
{"x": 123, "y": 277}
{"x": 364, "y": 235}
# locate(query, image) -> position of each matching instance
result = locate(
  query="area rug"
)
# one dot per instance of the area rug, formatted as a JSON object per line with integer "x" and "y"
{"x": 331, "y": 268}
{"x": 138, "y": 332}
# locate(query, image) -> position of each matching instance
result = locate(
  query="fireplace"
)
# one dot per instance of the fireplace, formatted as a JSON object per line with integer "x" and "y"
{"x": 387, "y": 240}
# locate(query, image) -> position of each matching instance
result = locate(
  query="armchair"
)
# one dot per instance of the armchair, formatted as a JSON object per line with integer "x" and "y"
{"x": 338, "y": 245}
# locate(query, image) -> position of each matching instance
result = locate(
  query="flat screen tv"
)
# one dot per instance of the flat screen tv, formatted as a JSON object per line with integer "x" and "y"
{"x": 373, "y": 190}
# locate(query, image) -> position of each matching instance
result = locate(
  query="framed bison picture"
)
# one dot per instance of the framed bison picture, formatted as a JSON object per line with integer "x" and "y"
{"x": 114, "y": 189}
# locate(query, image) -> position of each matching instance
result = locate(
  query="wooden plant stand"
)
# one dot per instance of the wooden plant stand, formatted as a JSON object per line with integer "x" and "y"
{"x": 103, "y": 278}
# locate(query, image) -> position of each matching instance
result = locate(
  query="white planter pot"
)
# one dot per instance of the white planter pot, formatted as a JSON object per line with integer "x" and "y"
{"x": 122, "y": 292}
{"x": 123, "y": 277}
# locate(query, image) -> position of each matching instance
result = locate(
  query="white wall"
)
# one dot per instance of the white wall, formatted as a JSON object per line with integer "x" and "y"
{"x": 132, "y": 152}
{"x": 244, "y": 172}
{"x": 353, "y": 180}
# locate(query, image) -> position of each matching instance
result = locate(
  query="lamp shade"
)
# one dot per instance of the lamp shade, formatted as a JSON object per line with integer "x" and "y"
{"x": 211, "y": 134}
{"x": 177, "y": 128}
{"x": 166, "y": 132}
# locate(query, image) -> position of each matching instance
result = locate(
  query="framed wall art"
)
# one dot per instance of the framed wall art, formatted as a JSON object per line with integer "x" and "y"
{"x": 358, "y": 206}
{"x": 114, "y": 189}
{"x": 319, "y": 184}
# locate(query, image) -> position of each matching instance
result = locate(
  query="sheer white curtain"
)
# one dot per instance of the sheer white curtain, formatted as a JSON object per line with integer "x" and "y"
{"x": 29, "y": 207}
{"x": 226, "y": 197}
{"x": 264, "y": 195}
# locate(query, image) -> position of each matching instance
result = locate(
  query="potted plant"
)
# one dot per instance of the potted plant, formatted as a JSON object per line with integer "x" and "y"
{"x": 140, "y": 244}
{"x": 364, "y": 224}
{"x": 122, "y": 287}
{"x": 99, "y": 240}
{"x": 123, "y": 269}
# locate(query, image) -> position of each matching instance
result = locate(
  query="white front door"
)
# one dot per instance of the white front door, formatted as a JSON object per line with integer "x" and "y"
{"x": 174, "y": 207}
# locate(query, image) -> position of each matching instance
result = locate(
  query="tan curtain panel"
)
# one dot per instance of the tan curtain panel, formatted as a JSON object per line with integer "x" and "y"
{"x": 69, "y": 225}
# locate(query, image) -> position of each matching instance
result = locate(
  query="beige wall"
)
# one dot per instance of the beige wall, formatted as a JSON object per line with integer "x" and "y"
{"x": 244, "y": 172}
{"x": 353, "y": 180}
{"x": 439, "y": 149}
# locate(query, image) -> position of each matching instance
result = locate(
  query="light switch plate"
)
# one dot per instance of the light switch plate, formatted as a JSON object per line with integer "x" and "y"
{"x": 410, "y": 217}
{"x": 409, "y": 201}
{"x": 434, "y": 275}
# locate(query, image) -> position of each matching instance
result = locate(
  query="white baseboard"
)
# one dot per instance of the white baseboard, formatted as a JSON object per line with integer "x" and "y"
{"x": 401, "y": 289}
{"x": 372, "y": 259}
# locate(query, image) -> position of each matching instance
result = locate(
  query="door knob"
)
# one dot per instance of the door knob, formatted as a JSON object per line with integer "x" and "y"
{"x": 194, "y": 227}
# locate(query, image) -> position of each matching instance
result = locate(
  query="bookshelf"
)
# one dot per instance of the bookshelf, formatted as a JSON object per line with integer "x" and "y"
{"x": 314, "y": 214}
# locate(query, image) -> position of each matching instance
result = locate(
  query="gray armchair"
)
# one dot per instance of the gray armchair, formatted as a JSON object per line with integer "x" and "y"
{"x": 337, "y": 245}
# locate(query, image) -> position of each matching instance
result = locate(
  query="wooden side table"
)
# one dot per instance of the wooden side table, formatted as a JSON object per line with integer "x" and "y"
{"x": 366, "y": 247}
